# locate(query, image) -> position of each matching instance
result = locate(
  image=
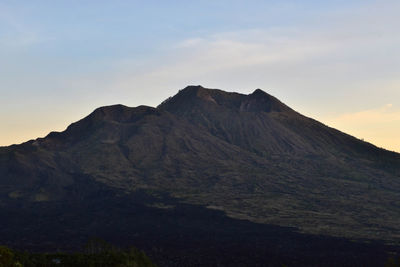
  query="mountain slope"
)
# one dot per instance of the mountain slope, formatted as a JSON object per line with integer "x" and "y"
{"x": 250, "y": 156}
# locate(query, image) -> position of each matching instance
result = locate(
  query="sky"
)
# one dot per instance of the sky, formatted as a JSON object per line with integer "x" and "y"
{"x": 335, "y": 61}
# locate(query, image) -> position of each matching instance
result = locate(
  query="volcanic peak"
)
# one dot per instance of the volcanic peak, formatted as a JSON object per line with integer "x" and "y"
{"x": 196, "y": 95}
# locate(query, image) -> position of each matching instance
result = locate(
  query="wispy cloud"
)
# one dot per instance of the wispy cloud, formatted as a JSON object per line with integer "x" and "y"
{"x": 336, "y": 50}
{"x": 385, "y": 114}
{"x": 313, "y": 61}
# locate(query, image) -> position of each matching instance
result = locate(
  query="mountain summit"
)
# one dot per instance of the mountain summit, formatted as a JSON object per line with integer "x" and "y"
{"x": 198, "y": 95}
{"x": 250, "y": 157}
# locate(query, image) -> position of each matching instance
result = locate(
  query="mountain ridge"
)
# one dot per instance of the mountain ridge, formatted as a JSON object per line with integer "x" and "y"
{"x": 197, "y": 88}
{"x": 249, "y": 156}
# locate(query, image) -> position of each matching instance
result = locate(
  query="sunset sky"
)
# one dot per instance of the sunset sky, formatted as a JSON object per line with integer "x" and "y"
{"x": 335, "y": 61}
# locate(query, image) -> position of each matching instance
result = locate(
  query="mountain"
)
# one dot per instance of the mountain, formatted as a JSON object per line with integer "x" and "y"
{"x": 204, "y": 161}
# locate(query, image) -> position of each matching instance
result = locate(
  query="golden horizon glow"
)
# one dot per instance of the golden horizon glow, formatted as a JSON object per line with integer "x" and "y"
{"x": 379, "y": 126}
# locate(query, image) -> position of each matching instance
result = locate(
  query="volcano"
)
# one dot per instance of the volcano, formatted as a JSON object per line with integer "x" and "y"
{"x": 208, "y": 177}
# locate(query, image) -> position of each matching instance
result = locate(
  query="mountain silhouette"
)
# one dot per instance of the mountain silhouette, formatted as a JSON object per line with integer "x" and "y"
{"x": 204, "y": 152}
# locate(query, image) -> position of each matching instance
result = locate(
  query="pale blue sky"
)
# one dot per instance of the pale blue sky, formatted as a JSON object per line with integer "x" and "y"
{"x": 336, "y": 61}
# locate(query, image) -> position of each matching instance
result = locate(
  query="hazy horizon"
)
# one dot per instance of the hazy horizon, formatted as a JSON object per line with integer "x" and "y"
{"x": 336, "y": 62}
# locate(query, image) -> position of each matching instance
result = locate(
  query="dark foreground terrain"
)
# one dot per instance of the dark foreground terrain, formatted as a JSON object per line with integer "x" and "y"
{"x": 180, "y": 234}
{"x": 207, "y": 178}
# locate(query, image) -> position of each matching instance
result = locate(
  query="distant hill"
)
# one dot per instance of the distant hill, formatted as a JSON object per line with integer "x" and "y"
{"x": 204, "y": 152}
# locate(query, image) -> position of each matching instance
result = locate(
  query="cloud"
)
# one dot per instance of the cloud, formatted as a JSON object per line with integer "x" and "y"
{"x": 342, "y": 52}
{"x": 189, "y": 42}
{"x": 305, "y": 61}
{"x": 223, "y": 55}
{"x": 385, "y": 114}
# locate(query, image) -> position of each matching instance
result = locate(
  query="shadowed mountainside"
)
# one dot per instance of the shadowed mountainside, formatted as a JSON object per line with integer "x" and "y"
{"x": 249, "y": 156}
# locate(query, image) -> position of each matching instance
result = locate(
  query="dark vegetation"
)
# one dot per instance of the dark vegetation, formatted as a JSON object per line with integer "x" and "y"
{"x": 97, "y": 253}
{"x": 206, "y": 178}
